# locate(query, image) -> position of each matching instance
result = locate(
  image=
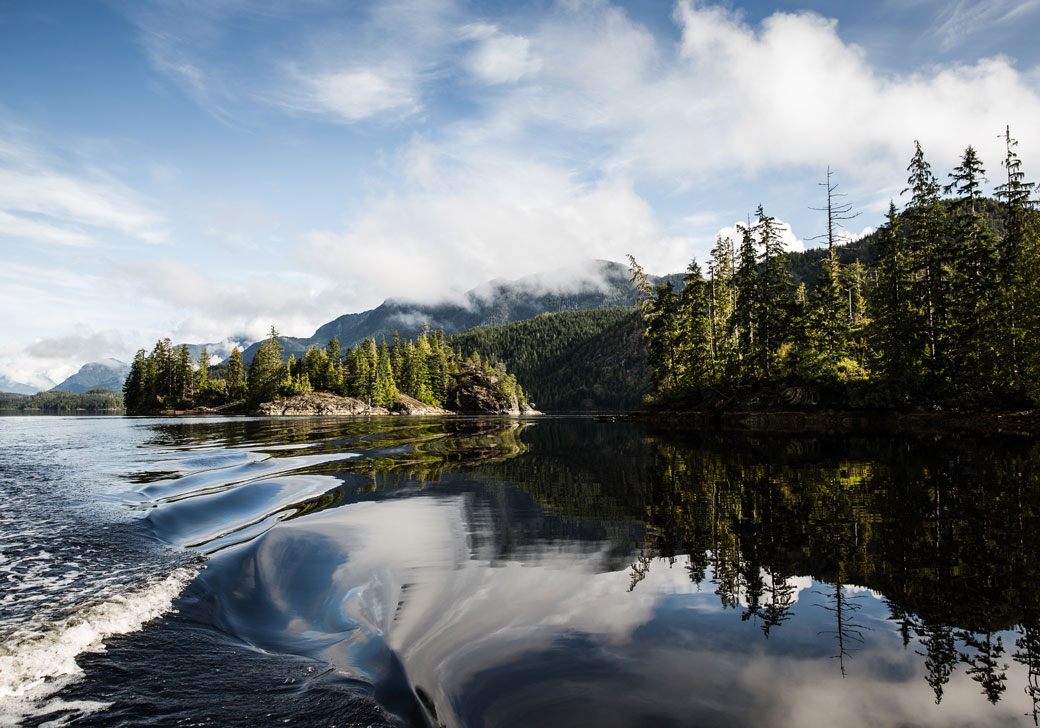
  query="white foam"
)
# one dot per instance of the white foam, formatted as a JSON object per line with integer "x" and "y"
{"x": 37, "y": 662}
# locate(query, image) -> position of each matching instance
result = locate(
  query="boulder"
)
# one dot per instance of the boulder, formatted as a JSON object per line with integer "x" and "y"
{"x": 319, "y": 404}
{"x": 411, "y": 406}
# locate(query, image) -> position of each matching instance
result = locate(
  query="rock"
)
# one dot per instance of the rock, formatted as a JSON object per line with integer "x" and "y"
{"x": 477, "y": 390}
{"x": 411, "y": 406}
{"x": 319, "y": 404}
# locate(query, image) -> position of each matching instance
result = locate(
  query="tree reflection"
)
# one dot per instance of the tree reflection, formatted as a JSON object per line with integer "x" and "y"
{"x": 942, "y": 528}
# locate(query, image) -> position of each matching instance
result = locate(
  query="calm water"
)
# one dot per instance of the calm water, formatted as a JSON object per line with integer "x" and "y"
{"x": 564, "y": 572}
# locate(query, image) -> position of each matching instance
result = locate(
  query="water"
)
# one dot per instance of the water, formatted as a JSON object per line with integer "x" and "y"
{"x": 496, "y": 573}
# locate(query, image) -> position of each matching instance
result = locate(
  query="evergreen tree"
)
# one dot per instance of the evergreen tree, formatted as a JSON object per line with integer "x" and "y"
{"x": 136, "y": 385}
{"x": 746, "y": 308}
{"x": 924, "y": 226}
{"x": 265, "y": 371}
{"x": 721, "y": 297}
{"x": 184, "y": 387}
{"x": 662, "y": 339}
{"x": 1019, "y": 286}
{"x": 385, "y": 387}
{"x": 236, "y": 386}
{"x": 202, "y": 374}
{"x": 974, "y": 317}
{"x": 774, "y": 289}
{"x": 896, "y": 331}
{"x": 695, "y": 335}
{"x": 334, "y": 380}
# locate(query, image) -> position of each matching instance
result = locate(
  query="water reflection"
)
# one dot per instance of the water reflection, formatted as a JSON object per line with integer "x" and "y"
{"x": 487, "y": 572}
{"x": 944, "y": 529}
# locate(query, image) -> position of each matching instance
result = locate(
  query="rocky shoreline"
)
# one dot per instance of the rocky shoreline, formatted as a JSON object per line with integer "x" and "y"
{"x": 849, "y": 422}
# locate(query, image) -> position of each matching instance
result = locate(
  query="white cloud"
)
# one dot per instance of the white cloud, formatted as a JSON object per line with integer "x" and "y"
{"x": 485, "y": 223}
{"x": 500, "y": 57}
{"x": 791, "y": 242}
{"x": 42, "y": 203}
{"x": 355, "y": 94}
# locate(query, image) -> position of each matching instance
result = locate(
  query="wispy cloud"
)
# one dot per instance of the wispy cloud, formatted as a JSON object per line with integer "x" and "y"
{"x": 44, "y": 203}
{"x": 960, "y": 20}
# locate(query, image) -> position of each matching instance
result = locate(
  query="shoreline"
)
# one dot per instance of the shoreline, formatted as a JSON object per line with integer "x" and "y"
{"x": 1024, "y": 423}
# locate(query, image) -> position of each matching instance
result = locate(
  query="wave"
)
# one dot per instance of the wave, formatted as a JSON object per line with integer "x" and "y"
{"x": 38, "y": 661}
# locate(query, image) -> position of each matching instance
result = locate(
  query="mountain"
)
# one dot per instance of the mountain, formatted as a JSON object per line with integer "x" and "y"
{"x": 108, "y": 374}
{"x": 595, "y": 284}
{"x": 13, "y": 387}
{"x": 574, "y": 361}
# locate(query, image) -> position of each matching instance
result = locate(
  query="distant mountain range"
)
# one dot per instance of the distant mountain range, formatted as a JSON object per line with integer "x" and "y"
{"x": 108, "y": 374}
{"x": 596, "y": 284}
{"x": 9, "y": 385}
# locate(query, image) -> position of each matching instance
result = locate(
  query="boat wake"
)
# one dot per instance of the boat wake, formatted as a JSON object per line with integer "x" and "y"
{"x": 40, "y": 659}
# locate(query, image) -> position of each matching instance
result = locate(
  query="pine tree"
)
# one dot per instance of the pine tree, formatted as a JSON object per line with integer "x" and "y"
{"x": 184, "y": 379}
{"x": 135, "y": 385}
{"x": 774, "y": 291}
{"x": 385, "y": 387}
{"x": 721, "y": 304}
{"x": 746, "y": 308}
{"x": 662, "y": 339}
{"x": 924, "y": 226}
{"x": 265, "y": 371}
{"x": 202, "y": 374}
{"x": 236, "y": 386}
{"x": 334, "y": 379}
{"x": 695, "y": 335}
{"x": 896, "y": 333}
{"x": 369, "y": 370}
{"x": 974, "y": 318}
{"x": 1019, "y": 287}
{"x": 828, "y": 320}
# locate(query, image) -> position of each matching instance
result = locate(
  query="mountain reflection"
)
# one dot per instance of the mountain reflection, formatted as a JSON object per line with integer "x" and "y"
{"x": 944, "y": 529}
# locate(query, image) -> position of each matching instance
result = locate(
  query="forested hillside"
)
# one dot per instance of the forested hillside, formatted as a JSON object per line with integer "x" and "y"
{"x": 596, "y": 284}
{"x": 940, "y": 307}
{"x": 94, "y": 400}
{"x": 574, "y": 361}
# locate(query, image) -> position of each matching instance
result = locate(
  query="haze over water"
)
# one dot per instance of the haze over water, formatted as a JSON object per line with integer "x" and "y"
{"x": 493, "y": 572}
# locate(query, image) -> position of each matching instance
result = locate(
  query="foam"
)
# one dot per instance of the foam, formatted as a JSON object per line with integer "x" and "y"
{"x": 37, "y": 662}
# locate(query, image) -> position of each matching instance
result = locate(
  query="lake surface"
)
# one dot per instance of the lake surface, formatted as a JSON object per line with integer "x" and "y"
{"x": 494, "y": 572}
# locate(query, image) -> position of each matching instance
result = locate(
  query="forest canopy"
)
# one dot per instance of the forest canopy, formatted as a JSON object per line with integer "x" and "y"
{"x": 947, "y": 314}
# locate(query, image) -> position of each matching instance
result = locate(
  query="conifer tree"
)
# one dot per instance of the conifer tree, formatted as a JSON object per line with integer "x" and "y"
{"x": 135, "y": 385}
{"x": 397, "y": 358}
{"x": 925, "y": 231}
{"x": 775, "y": 292}
{"x": 265, "y": 371}
{"x": 236, "y": 386}
{"x": 695, "y": 336}
{"x": 184, "y": 379}
{"x": 1019, "y": 286}
{"x": 369, "y": 382}
{"x": 202, "y": 374}
{"x": 746, "y": 308}
{"x": 721, "y": 304}
{"x": 334, "y": 378}
{"x": 662, "y": 338}
{"x": 896, "y": 331}
{"x": 974, "y": 318}
{"x": 385, "y": 387}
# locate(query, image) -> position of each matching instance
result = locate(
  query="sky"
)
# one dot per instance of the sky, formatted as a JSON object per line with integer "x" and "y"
{"x": 203, "y": 169}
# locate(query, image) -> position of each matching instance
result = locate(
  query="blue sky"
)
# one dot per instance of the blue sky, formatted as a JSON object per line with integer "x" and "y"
{"x": 204, "y": 168}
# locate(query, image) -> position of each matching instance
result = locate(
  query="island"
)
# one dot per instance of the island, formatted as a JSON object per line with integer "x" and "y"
{"x": 421, "y": 377}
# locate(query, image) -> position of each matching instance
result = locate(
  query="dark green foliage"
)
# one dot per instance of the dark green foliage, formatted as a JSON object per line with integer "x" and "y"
{"x": 93, "y": 400}
{"x": 939, "y": 306}
{"x": 573, "y": 361}
{"x": 265, "y": 371}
